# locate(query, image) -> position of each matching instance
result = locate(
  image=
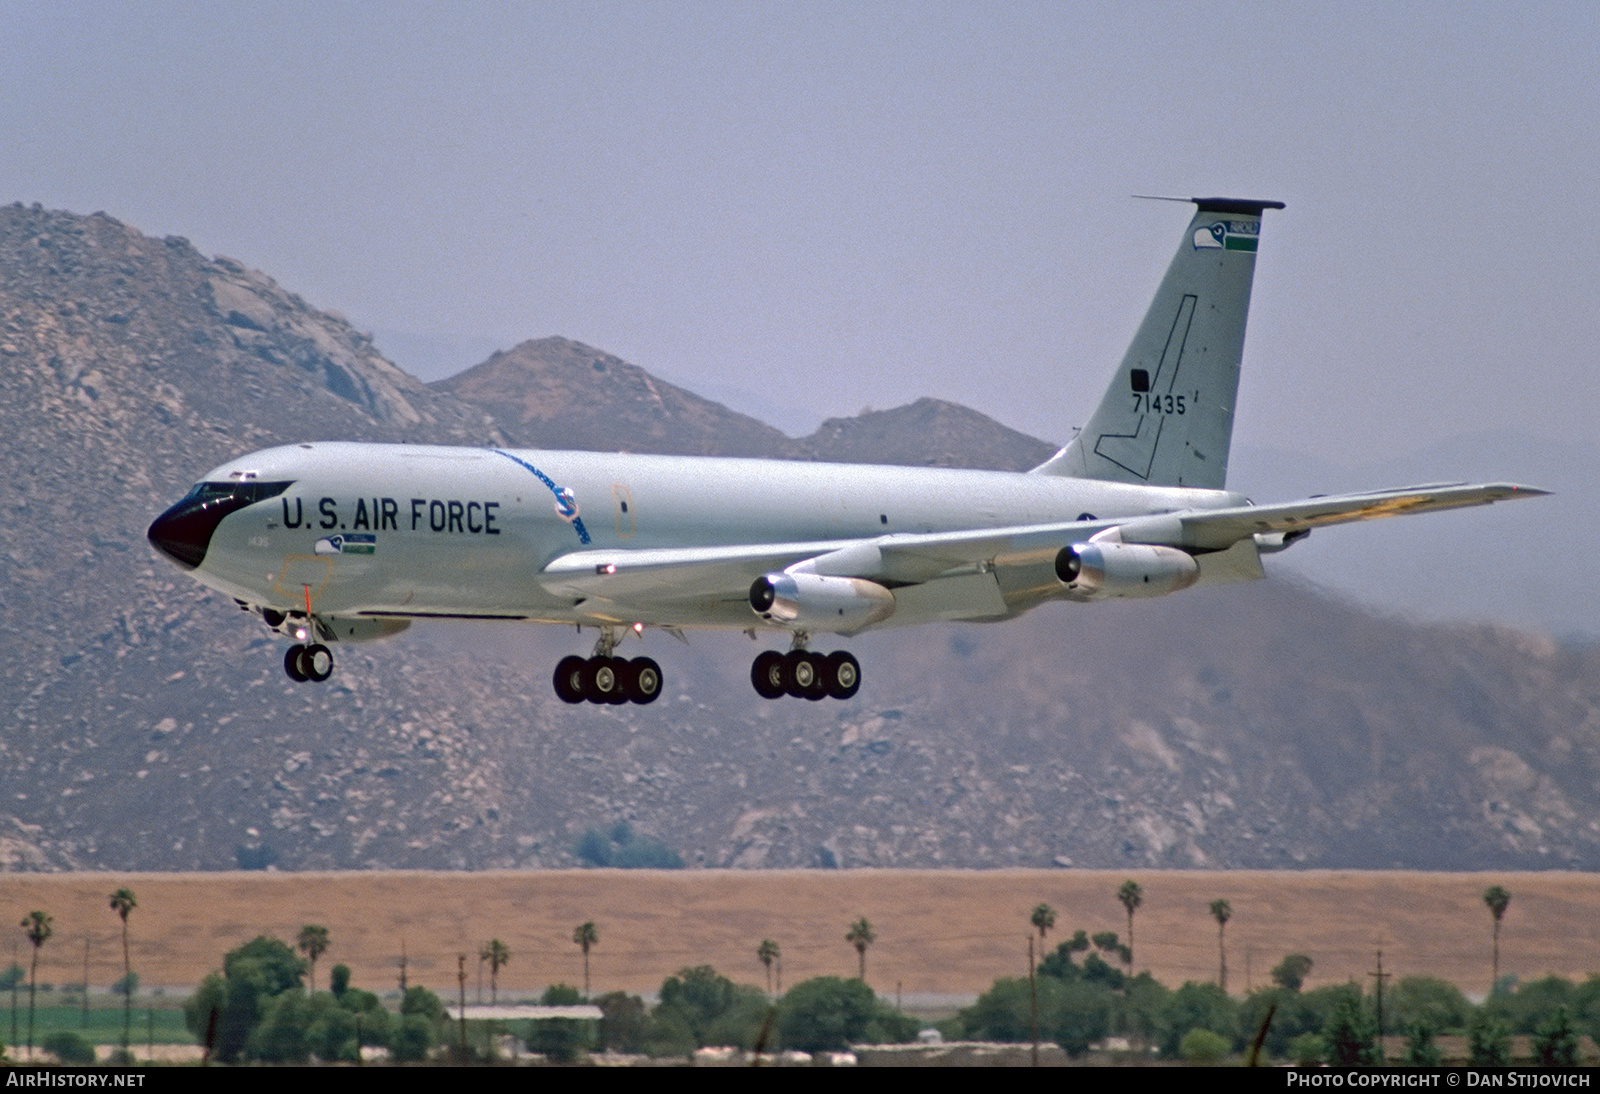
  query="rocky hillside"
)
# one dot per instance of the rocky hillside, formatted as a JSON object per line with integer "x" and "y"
{"x": 148, "y": 725}
{"x": 557, "y": 393}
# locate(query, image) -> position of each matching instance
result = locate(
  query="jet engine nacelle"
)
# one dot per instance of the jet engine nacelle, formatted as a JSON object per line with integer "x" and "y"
{"x": 841, "y": 605}
{"x": 1104, "y": 571}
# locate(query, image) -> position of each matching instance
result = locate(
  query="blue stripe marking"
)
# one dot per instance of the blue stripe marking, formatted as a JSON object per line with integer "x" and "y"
{"x": 563, "y": 498}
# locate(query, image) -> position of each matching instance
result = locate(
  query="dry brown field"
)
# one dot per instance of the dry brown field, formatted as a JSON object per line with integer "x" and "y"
{"x": 939, "y": 932}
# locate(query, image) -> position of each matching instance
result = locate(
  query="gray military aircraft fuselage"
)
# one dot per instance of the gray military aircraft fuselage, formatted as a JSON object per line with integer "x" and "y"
{"x": 333, "y": 542}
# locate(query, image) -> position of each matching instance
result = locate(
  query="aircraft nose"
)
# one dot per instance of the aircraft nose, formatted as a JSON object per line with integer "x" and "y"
{"x": 183, "y": 533}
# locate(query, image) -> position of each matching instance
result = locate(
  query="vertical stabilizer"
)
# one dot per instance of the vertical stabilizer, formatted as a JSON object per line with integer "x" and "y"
{"x": 1167, "y": 419}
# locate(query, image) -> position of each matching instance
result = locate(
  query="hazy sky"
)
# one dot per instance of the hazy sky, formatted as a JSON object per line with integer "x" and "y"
{"x": 808, "y": 208}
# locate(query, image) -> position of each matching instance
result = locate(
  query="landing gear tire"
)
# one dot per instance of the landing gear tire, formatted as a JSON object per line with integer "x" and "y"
{"x": 602, "y": 683}
{"x": 769, "y": 675}
{"x": 569, "y": 679}
{"x": 842, "y": 672}
{"x": 316, "y": 661}
{"x": 644, "y": 681}
{"x": 312, "y": 663}
{"x": 624, "y": 670}
{"x": 805, "y": 673}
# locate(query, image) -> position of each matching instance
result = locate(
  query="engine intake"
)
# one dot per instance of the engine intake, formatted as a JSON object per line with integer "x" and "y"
{"x": 1104, "y": 571}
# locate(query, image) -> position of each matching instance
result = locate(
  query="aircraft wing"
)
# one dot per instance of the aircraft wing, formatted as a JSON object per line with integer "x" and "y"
{"x": 665, "y": 575}
{"x": 1218, "y": 529}
{"x": 899, "y": 559}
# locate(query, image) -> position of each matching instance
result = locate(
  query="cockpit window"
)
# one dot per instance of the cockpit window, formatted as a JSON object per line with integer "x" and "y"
{"x": 246, "y": 493}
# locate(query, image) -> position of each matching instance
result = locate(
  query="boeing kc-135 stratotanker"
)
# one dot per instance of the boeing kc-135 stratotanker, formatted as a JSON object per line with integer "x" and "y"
{"x": 340, "y": 542}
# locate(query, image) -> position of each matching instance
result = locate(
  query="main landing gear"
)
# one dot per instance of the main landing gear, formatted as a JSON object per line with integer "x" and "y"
{"x": 607, "y": 679}
{"x": 805, "y": 675}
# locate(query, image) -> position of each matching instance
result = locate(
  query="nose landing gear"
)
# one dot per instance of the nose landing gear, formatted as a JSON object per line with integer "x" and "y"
{"x": 305, "y": 660}
{"x": 312, "y": 662}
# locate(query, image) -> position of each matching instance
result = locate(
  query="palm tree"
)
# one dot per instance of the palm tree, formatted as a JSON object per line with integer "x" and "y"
{"x": 122, "y": 902}
{"x": 585, "y": 935}
{"x": 1222, "y": 911}
{"x": 861, "y": 936}
{"x": 313, "y": 942}
{"x": 767, "y": 953}
{"x": 1498, "y": 899}
{"x": 1043, "y": 919}
{"x": 498, "y": 954}
{"x": 1131, "y": 896}
{"x": 38, "y": 929}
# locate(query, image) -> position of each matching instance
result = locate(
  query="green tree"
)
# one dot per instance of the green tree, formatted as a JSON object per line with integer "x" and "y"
{"x": 229, "y": 1006}
{"x": 1043, "y": 920}
{"x": 1197, "y": 1006}
{"x": 498, "y": 955}
{"x": 347, "y": 1019}
{"x": 1307, "y": 1050}
{"x": 418, "y": 1028}
{"x": 667, "y": 1034}
{"x": 1131, "y": 897}
{"x": 283, "y": 1034}
{"x": 1290, "y": 973}
{"x": 1201, "y": 1046}
{"x": 1351, "y": 1035}
{"x": 715, "y": 1010}
{"x": 1084, "y": 1017}
{"x": 1498, "y": 900}
{"x": 1094, "y": 968}
{"x": 1060, "y": 963}
{"x": 1488, "y": 1042}
{"x": 1141, "y": 1005}
{"x": 861, "y": 936}
{"x": 1073, "y": 1013}
{"x": 1004, "y": 1012}
{"x": 68, "y": 1047}
{"x": 562, "y": 1039}
{"x": 1222, "y": 911}
{"x": 1435, "y": 1003}
{"x": 1420, "y": 1049}
{"x": 1585, "y": 1007}
{"x": 1556, "y": 1042}
{"x": 122, "y": 902}
{"x": 423, "y": 1003}
{"x": 828, "y": 1014}
{"x": 38, "y": 926}
{"x": 624, "y": 849}
{"x": 313, "y": 942}
{"x": 331, "y": 1029}
{"x": 768, "y": 952}
{"x": 1526, "y": 1009}
{"x": 586, "y": 936}
{"x": 623, "y": 1019}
